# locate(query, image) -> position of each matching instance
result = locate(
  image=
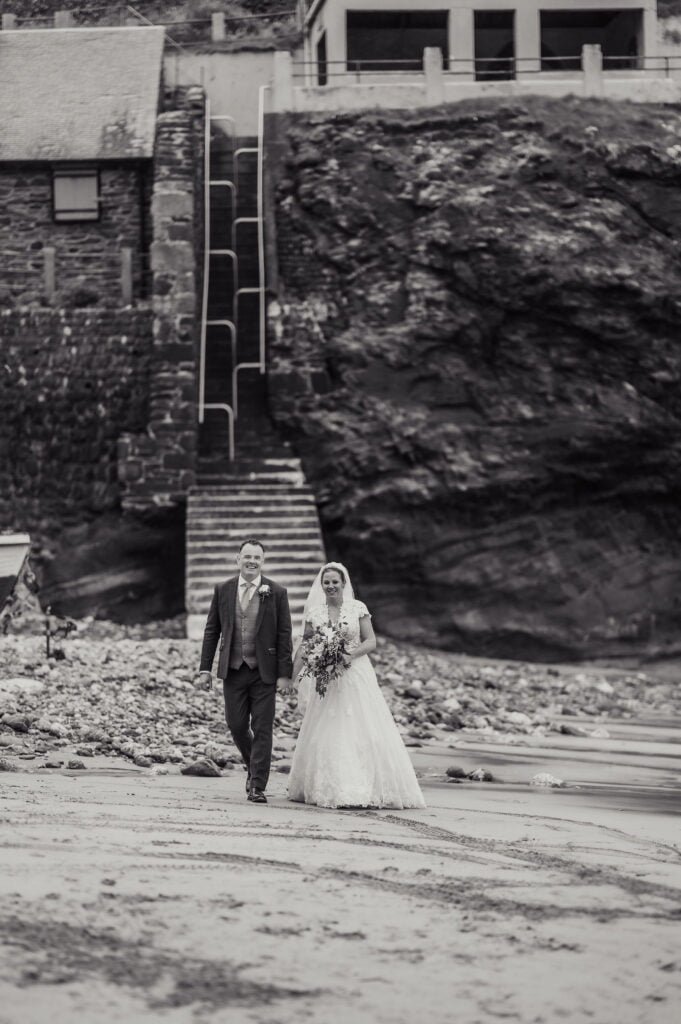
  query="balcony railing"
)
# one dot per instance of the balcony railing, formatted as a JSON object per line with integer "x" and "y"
{"x": 479, "y": 68}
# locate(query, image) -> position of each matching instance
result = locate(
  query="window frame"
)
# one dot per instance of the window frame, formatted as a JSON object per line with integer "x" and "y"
{"x": 77, "y": 171}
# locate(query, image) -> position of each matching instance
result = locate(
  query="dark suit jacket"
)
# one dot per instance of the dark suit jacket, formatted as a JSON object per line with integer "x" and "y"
{"x": 272, "y": 631}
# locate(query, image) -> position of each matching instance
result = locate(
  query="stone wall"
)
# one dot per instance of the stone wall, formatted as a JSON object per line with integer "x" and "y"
{"x": 98, "y": 406}
{"x": 71, "y": 381}
{"x": 87, "y": 253}
{"x": 159, "y": 465}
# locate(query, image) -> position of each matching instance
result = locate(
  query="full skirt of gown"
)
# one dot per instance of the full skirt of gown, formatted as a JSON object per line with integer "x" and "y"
{"x": 349, "y": 751}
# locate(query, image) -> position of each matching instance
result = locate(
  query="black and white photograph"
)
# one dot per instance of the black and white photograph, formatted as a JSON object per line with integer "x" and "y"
{"x": 340, "y": 512}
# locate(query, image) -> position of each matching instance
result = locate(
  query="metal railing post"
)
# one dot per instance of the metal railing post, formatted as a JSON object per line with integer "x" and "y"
{"x": 261, "y": 221}
{"x": 126, "y": 275}
{"x": 206, "y": 261}
{"x": 50, "y": 271}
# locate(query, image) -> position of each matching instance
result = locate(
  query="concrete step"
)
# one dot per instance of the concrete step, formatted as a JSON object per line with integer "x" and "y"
{"x": 269, "y": 521}
{"x": 268, "y": 499}
{"x": 273, "y": 567}
{"x": 239, "y": 499}
{"x": 273, "y": 541}
{"x": 232, "y": 540}
{"x": 224, "y": 561}
{"x": 238, "y": 494}
{"x": 246, "y": 486}
{"x": 201, "y": 596}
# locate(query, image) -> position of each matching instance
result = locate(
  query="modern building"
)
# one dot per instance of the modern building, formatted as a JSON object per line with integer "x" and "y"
{"x": 481, "y": 39}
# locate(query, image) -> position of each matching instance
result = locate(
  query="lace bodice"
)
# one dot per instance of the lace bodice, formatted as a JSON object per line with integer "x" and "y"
{"x": 350, "y": 614}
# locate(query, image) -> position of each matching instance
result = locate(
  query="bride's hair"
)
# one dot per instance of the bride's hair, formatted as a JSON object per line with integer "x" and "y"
{"x": 331, "y": 567}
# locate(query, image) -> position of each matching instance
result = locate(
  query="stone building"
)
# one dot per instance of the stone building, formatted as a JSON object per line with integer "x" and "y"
{"x": 101, "y": 227}
{"x": 77, "y": 133}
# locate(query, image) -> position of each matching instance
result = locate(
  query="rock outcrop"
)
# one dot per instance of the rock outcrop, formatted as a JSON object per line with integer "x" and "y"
{"x": 476, "y": 349}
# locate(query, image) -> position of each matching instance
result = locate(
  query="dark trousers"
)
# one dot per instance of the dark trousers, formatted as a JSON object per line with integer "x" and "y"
{"x": 249, "y": 710}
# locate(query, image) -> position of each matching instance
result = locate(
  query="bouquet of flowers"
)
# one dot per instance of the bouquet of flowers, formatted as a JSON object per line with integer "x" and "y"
{"x": 325, "y": 655}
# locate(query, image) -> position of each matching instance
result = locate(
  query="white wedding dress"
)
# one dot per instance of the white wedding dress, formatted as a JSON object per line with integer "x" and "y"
{"x": 349, "y": 751}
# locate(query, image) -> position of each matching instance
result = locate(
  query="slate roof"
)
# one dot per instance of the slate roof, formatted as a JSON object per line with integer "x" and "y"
{"x": 79, "y": 94}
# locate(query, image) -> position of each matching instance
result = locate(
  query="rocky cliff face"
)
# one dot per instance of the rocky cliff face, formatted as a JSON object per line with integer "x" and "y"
{"x": 476, "y": 348}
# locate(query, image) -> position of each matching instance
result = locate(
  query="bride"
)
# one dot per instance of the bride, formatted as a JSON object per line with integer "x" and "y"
{"x": 349, "y": 751}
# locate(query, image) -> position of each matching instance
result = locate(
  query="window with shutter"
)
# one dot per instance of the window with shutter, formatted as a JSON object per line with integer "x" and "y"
{"x": 75, "y": 193}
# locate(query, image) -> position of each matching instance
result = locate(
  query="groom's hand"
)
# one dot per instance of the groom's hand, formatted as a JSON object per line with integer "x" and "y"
{"x": 203, "y": 681}
{"x": 284, "y": 684}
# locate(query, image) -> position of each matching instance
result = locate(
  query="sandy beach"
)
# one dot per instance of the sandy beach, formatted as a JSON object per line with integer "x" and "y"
{"x": 129, "y": 897}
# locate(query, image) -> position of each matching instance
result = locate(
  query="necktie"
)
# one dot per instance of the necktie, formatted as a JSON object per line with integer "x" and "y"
{"x": 246, "y": 593}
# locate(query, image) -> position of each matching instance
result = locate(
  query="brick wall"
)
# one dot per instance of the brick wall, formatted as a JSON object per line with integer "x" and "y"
{"x": 88, "y": 253}
{"x": 71, "y": 381}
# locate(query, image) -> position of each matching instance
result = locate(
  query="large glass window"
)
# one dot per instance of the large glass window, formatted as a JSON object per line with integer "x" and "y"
{"x": 494, "y": 45}
{"x": 394, "y": 40}
{"x": 564, "y": 33}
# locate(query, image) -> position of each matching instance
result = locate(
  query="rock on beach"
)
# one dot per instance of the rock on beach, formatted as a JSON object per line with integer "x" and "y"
{"x": 133, "y": 698}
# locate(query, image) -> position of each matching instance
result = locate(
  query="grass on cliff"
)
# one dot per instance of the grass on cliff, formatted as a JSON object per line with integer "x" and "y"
{"x": 187, "y": 21}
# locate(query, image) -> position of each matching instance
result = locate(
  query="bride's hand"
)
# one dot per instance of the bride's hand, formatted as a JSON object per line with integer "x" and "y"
{"x": 347, "y": 660}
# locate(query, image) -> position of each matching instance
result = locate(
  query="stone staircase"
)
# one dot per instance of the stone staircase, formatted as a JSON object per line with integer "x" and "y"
{"x": 267, "y": 499}
{"x": 263, "y": 493}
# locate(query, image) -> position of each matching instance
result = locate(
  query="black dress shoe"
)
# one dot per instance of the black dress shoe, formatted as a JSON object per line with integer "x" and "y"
{"x": 257, "y": 796}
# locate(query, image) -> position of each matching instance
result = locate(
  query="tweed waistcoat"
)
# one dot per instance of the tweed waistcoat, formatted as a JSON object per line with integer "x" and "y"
{"x": 243, "y": 641}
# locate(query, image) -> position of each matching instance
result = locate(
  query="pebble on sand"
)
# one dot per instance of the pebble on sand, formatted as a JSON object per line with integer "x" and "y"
{"x": 546, "y": 779}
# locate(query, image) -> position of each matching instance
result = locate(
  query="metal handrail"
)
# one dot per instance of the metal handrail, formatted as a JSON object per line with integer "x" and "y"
{"x": 344, "y": 69}
{"x": 260, "y": 219}
{"x": 207, "y": 253}
{"x": 233, "y": 325}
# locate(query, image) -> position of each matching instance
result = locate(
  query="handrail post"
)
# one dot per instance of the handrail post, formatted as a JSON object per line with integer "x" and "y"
{"x": 217, "y": 26}
{"x": 434, "y": 75}
{"x": 261, "y": 223}
{"x": 126, "y": 275}
{"x": 282, "y": 81}
{"x": 592, "y": 69}
{"x": 206, "y": 260}
{"x": 64, "y": 19}
{"x": 50, "y": 272}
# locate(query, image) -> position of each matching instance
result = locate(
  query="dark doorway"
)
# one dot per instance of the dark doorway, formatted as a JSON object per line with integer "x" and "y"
{"x": 322, "y": 76}
{"x": 394, "y": 40}
{"x": 564, "y": 33}
{"x": 494, "y": 45}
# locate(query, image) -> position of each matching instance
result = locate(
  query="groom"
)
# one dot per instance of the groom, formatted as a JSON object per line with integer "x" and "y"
{"x": 251, "y": 613}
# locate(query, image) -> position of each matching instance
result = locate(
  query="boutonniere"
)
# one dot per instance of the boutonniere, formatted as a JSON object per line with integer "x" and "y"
{"x": 264, "y": 590}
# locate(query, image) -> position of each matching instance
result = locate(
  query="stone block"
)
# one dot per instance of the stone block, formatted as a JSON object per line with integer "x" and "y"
{"x": 186, "y": 303}
{"x": 130, "y": 471}
{"x": 176, "y": 204}
{"x": 172, "y": 256}
{"x": 181, "y": 232}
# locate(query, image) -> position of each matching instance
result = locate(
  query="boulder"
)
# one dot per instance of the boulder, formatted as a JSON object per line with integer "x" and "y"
{"x": 203, "y": 766}
{"x": 19, "y": 685}
{"x": 18, "y": 723}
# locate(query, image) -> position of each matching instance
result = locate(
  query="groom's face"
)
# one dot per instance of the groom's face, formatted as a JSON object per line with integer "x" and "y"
{"x": 250, "y": 561}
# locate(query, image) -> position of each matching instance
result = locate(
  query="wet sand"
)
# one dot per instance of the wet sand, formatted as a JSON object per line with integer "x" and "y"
{"x": 130, "y": 897}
